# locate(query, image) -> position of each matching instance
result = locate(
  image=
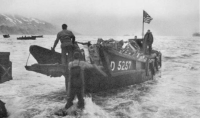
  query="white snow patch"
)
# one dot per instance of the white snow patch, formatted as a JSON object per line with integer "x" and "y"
{"x": 25, "y": 19}
{"x": 17, "y": 20}
{"x": 8, "y": 18}
{"x": 37, "y": 21}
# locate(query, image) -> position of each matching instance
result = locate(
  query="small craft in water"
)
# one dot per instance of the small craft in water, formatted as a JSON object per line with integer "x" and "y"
{"x": 6, "y": 36}
{"x": 114, "y": 66}
{"x": 26, "y": 38}
{"x": 38, "y": 36}
{"x": 196, "y": 34}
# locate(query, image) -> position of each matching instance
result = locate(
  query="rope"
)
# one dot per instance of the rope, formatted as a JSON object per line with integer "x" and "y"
{"x": 28, "y": 59}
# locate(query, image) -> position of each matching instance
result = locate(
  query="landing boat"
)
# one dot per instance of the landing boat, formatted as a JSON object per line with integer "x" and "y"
{"x": 6, "y": 36}
{"x": 112, "y": 68}
{"x": 38, "y": 36}
{"x": 26, "y": 38}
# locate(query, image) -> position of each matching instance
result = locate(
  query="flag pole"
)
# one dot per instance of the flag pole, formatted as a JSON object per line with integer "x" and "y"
{"x": 143, "y": 25}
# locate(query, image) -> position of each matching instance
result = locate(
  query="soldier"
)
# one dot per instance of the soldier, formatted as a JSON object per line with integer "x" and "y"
{"x": 147, "y": 42}
{"x": 76, "y": 84}
{"x": 67, "y": 39}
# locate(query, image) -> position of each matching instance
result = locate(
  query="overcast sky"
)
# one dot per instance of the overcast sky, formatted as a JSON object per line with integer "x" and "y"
{"x": 112, "y": 17}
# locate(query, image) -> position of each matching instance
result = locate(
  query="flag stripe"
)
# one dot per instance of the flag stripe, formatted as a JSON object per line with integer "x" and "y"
{"x": 147, "y": 20}
{"x": 146, "y": 17}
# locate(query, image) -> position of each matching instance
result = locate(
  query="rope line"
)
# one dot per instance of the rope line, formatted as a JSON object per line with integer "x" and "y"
{"x": 28, "y": 59}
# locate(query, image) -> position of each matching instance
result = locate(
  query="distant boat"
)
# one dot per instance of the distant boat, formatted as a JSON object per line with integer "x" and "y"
{"x": 196, "y": 34}
{"x": 6, "y": 36}
{"x": 38, "y": 36}
{"x": 26, "y": 38}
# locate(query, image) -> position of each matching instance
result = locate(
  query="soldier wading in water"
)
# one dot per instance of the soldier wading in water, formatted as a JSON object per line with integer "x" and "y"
{"x": 76, "y": 83}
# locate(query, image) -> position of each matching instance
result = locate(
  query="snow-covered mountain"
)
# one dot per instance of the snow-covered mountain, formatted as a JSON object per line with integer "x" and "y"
{"x": 15, "y": 24}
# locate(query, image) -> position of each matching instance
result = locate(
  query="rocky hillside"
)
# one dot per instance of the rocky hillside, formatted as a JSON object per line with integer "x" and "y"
{"x": 15, "y": 24}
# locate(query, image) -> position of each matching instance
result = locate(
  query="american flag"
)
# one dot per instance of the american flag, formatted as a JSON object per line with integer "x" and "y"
{"x": 146, "y": 17}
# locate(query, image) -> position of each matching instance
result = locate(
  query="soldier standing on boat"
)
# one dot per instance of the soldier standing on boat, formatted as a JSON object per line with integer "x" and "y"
{"x": 76, "y": 84}
{"x": 67, "y": 40}
{"x": 147, "y": 42}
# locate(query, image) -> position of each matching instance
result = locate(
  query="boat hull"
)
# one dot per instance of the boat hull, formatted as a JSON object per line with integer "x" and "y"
{"x": 6, "y": 36}
{"x": 26, "y": 38}
{"x": 45, "y": 56}
{"x": 96, "y": 82}
{"x": 127, "y": 71}
{"x": 39, "y": 36}
{"x": 49, "y": 63}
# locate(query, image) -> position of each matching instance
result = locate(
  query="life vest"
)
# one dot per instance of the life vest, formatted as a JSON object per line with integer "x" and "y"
{"x": 76, "y": 80}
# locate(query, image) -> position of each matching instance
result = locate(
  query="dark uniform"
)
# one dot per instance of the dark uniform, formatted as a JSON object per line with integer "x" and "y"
{"x": 147, "y": 42}
{"x": 76, "y": 84}
{"x": 67, "y": 40}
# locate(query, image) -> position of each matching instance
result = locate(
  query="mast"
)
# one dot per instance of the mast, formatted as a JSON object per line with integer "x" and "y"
{"x": 143, "y": 25}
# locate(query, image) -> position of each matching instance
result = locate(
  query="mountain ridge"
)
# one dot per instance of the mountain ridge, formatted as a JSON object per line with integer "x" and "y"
{"x": 16, "y": 24}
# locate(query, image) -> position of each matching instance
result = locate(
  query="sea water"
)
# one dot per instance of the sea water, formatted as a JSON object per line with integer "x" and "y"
{"x": 173, "y": 93}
